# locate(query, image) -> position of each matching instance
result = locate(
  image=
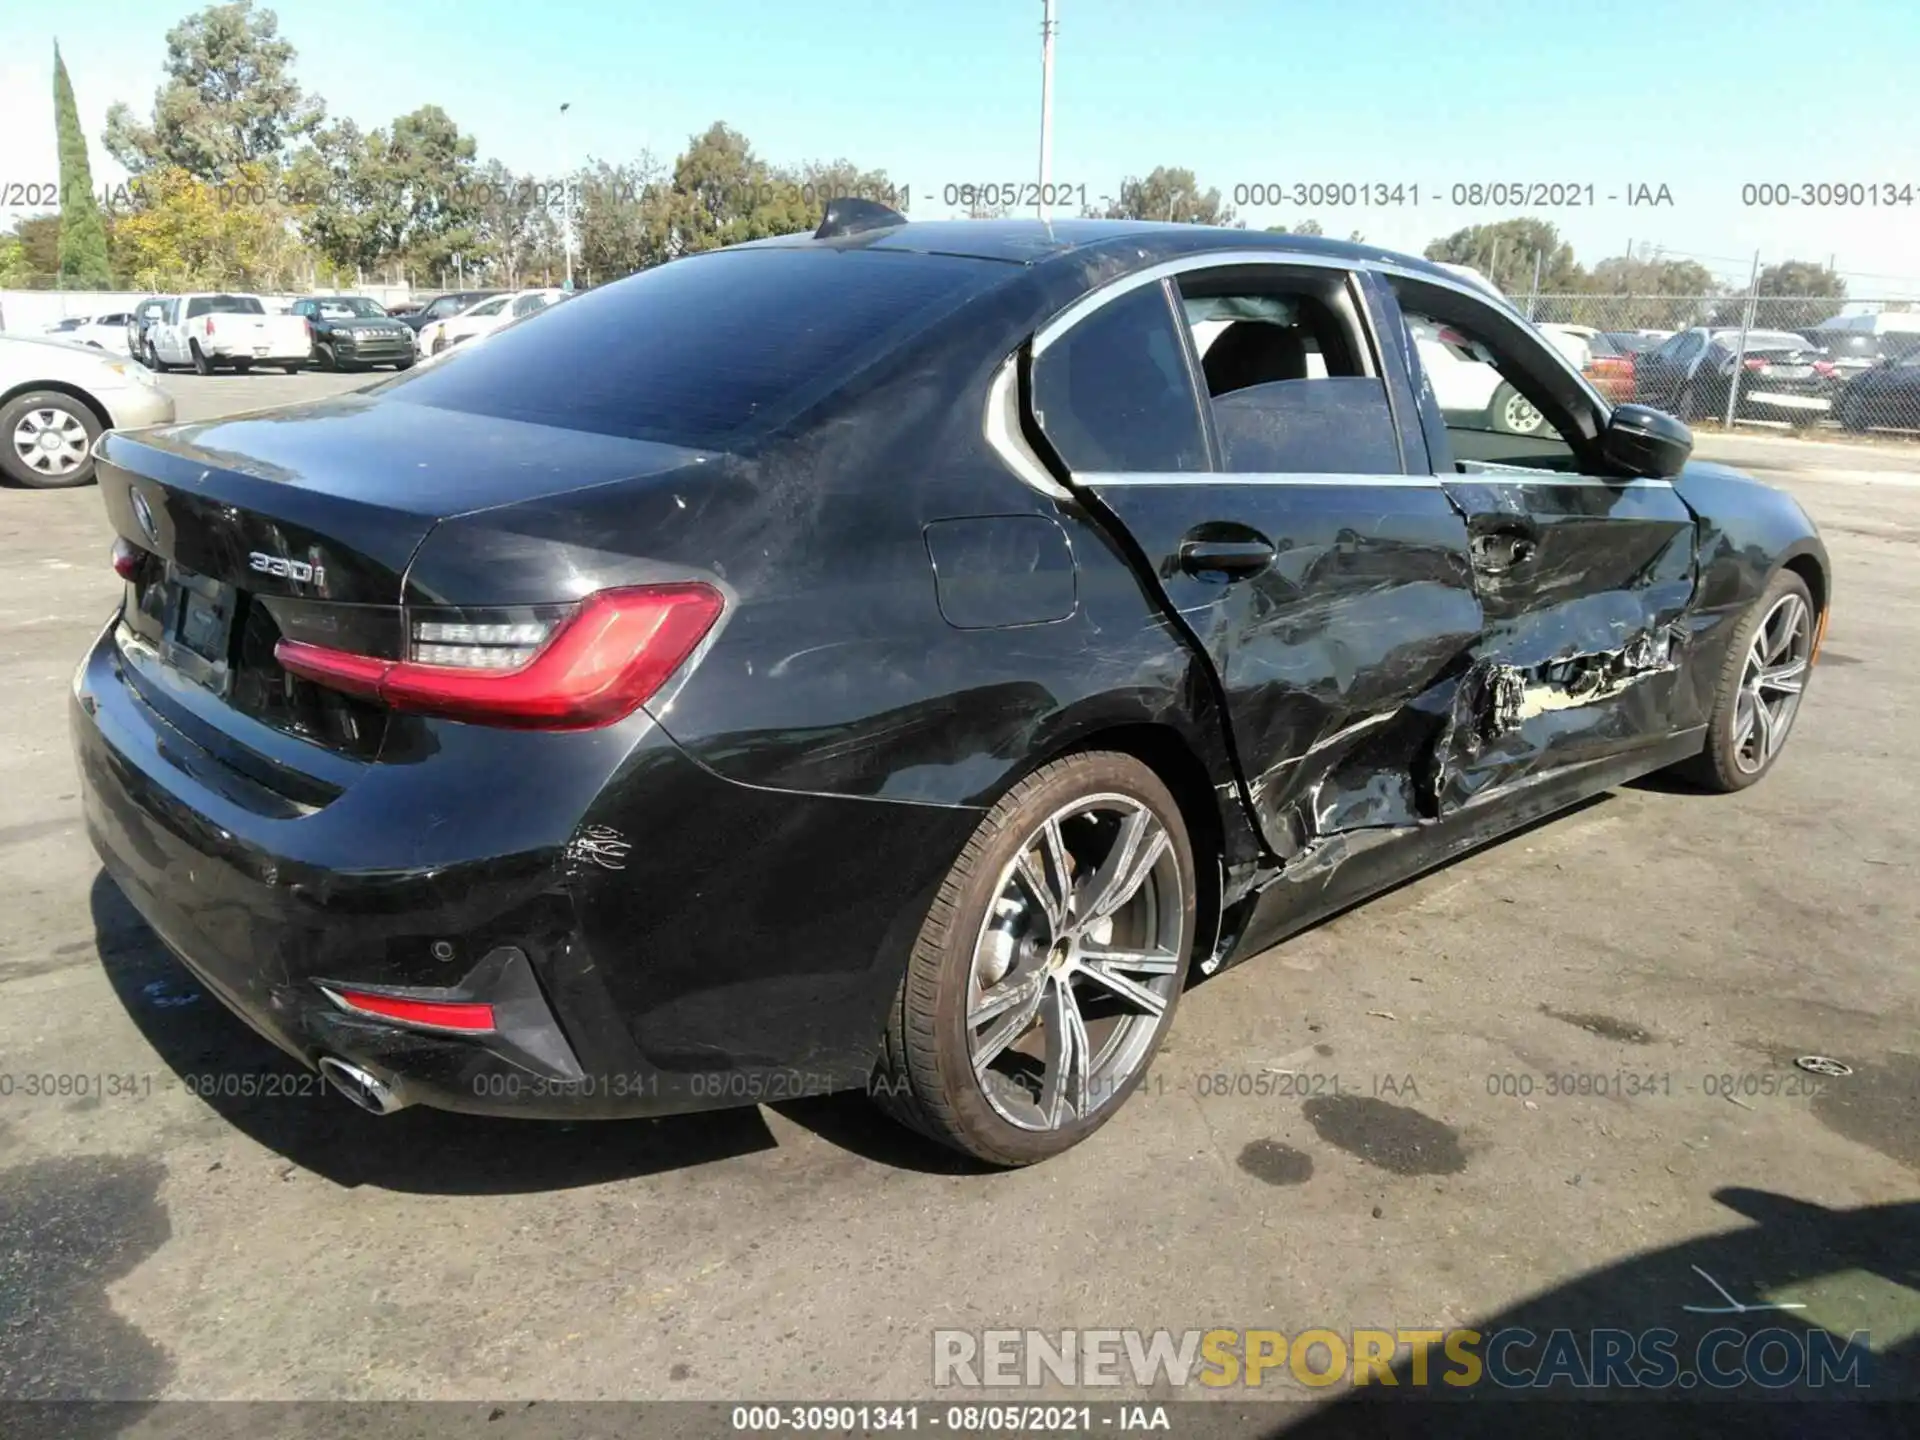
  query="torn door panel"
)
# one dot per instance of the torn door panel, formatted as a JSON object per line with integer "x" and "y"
{"x": 1509, "y": 722}
{"x": 1332, "y": 698}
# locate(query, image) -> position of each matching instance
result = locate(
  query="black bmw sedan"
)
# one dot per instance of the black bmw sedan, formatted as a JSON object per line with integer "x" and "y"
{"x": 899, "y": 656}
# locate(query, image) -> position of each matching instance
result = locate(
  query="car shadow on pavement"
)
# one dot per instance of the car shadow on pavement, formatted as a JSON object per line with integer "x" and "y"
{"x": 419, "y": 1150}
{"x": 1837, "y": 1272}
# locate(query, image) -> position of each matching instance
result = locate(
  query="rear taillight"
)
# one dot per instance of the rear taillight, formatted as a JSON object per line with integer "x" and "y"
{"x": 590, "y": 666}
{"x": 1754, "y": 363}
{"x": 128, "y": 559}
{"x": 1824, "y": 369}
{"x": 209, "y": 328}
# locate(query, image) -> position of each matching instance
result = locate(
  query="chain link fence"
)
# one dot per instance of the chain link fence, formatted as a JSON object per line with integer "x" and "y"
{"x": 1811, "y": 363}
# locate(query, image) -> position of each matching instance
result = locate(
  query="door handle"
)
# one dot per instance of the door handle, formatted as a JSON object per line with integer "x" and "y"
{"x": 1233, "y": 559}
{"x": 1497, "y": 552}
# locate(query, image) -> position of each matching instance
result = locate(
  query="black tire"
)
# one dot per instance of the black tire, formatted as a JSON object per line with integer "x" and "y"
{"x": 1716, "y": 767}
{"x": 242, "y": 366}
{"x": 403, "y": 365}
{"x": 201, "y": 364}
{"x": 293, "y": 369}
{"x": 15, "y": 410}
{"x": 1499, "y": 419}
{"x": 925, "y": 1076}
{"x": 154, "y": 363}
{"x": 1847, "y": 410}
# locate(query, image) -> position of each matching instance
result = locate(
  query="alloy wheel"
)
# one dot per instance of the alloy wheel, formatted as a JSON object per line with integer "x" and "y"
{"x": 1075, "y": 963}
{"x": 1771, "y": 683}
{"x": 1519, "y": 415}
{"x": 50, "y": 442}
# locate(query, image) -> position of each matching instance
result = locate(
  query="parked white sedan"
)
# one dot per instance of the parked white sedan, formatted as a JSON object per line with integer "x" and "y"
{"x": 57, "y": 399}
{"x": 485, "y": 318}
{"x": 102, "y": 332}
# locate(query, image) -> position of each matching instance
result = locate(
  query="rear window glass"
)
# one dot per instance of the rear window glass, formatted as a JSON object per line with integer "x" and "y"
{"x": 701, "y": 350}
{"x": 224, "y": 305}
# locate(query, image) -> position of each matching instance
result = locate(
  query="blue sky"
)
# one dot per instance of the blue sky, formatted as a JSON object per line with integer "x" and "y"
{"x": 1698, "y": 95}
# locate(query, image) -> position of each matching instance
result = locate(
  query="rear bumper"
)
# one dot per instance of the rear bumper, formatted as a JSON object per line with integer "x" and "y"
{"x": 742, "y": 950}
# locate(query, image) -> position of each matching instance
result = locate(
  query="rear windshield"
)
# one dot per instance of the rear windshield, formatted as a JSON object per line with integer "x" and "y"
{"x": 224, "y": 305}
{"x": 706, "y": 349}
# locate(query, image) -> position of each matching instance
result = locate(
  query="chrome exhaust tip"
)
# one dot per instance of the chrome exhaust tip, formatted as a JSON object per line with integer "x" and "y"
{"x": 362, "y": 1087}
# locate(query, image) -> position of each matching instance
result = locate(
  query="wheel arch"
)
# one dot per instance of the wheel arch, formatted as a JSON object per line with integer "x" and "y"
{"x": 60, "y": 387}
{"x": 1178, "y": 765}
{"x": 1809, "y": 568}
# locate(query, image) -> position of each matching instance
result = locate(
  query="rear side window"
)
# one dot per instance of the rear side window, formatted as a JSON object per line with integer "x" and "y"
{"x": 703, "y": 350}
{"x": 224, "y": 305}
{"x": 1114, "y": 395}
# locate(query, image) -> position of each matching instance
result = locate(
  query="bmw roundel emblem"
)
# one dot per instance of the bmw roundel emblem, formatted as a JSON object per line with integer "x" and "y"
{"x": 144, "y": 514}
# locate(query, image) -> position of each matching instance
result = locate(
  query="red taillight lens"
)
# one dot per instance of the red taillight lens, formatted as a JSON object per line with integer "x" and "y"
{"x": 1824, "y": 369}
{"x": 600, "y": 665}
{"x": 1754, "y": 363}
{"x": 209, "y": 325}
{"x": 128, "y": 559}
{"x": 466, "y": 1015}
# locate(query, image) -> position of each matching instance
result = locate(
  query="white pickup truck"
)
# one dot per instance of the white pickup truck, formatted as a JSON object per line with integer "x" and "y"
{"x": 240, "y": 331}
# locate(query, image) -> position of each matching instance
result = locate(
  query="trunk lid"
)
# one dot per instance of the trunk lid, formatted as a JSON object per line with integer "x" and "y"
{"x": 301, "y": 523}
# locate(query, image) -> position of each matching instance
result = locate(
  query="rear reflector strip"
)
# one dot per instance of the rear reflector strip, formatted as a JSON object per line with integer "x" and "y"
{"x": 465, "y": 1016}
{"x": 598, "y": 666}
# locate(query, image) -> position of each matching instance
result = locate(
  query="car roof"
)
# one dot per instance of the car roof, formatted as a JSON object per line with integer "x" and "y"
{"x": 1035, "y": 242}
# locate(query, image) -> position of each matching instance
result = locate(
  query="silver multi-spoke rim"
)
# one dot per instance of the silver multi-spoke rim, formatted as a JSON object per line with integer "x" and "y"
{"x": 1772, "y": 683}
{"x": 1520, "y": 415}
{"x": 1075, "y": 963}
{"x": 50, "y": 441}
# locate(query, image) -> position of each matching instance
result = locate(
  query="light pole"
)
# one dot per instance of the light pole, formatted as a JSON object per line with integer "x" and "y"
{"x": 1048, "y": 27}
{"x": 566, "y": 196}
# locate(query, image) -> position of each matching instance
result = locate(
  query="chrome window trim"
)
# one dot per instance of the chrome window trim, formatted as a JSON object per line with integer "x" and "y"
{"x": 1098, "y": 479}
{"x": 1001, "y": 421}
{"x": 1079, "y": 309}
{"x": 1000, "y": 427}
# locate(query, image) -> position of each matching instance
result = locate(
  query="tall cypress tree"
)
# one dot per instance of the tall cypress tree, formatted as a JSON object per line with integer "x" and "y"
{"x": 83, "y": 235}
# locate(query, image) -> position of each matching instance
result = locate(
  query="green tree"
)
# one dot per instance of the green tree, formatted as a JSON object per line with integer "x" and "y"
{"x": 229, "y": 98}
{"x": 14, "y": 274}
{"x": 188, "y": 235}
{"x": 39, "y": 237}
{"x": 1633, "y": 294}
{"x": 620, "y": 216}
{"x": 1168, "y": 193}
{"x": 1793, "y": 295}
{"x": 1303, "y": 227}
{"x": 83, "y": 235}
{"x": 412, "y": 191}
{"x": 517, "y": 224}
{"x": 1506, "y": 251}
{"x": 346, "y": 204}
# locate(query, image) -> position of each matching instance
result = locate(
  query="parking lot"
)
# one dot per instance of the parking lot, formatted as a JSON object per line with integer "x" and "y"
{"x": 1554, "y": 1081}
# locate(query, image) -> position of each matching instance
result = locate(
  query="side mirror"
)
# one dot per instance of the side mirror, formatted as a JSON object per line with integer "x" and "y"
{"x": 1642, "y": 441}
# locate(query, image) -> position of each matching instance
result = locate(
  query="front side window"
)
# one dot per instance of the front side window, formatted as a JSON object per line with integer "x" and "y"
{"x": 1114, "y": 393}
{"x": 529, "y": 305}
